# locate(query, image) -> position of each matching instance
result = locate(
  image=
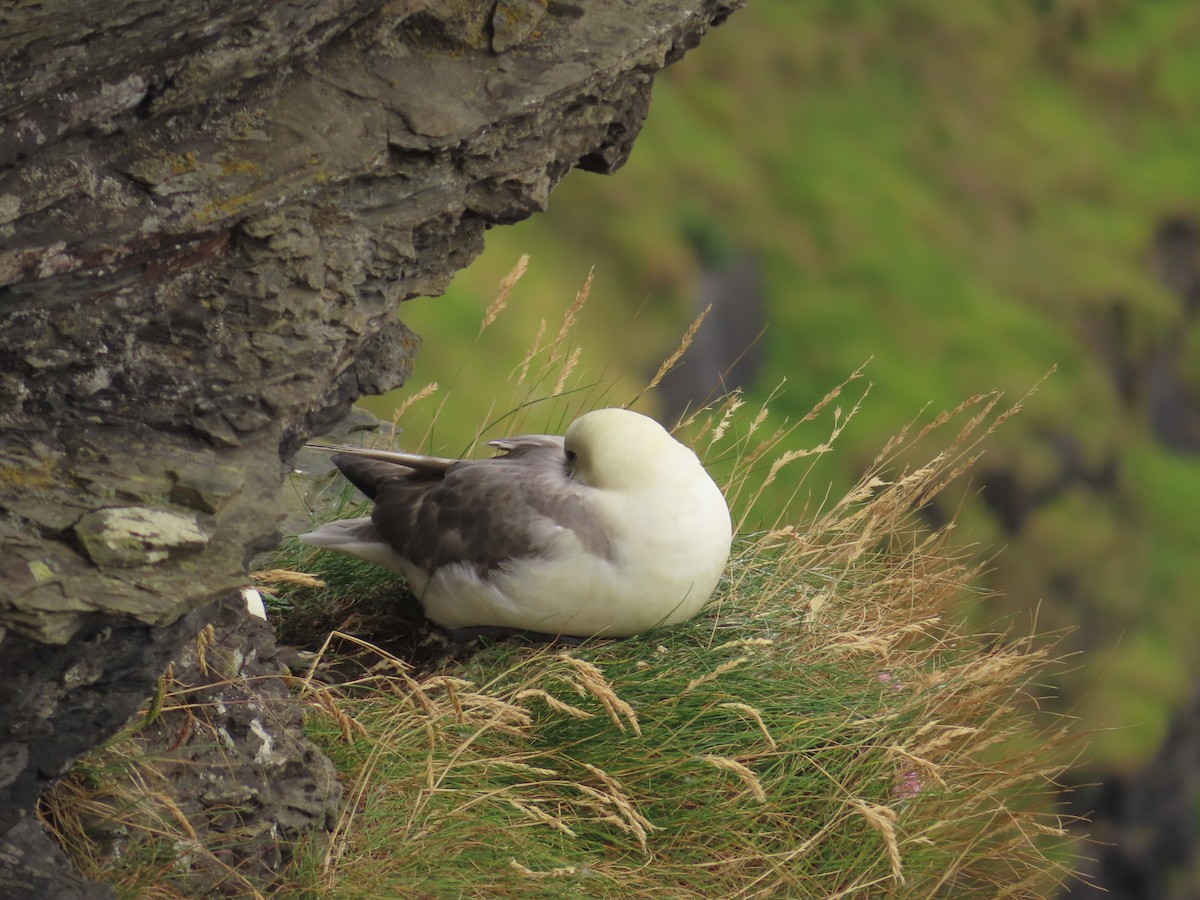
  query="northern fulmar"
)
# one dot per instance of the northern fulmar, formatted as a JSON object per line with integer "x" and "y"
{"x": 610, "y": 530}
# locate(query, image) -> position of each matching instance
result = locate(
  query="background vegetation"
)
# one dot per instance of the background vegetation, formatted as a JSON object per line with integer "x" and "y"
{"x": 966, "y": 194}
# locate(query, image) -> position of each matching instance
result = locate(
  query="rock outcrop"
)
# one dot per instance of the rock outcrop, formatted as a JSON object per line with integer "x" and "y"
{"x": 208, "y": 215}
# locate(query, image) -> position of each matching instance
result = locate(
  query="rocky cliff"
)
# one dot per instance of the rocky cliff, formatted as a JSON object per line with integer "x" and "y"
{"x": 208, "y": 215}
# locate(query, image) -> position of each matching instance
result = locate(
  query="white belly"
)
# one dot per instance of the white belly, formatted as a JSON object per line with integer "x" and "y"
{"x": 662, "y": 568}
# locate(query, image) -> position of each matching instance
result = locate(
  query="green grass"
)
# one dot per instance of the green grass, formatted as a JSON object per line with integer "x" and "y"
{"x": 827, "y": 728}
{"x": 742, "y": 766}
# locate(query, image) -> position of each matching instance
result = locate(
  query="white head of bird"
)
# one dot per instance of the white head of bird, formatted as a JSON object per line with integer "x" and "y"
{"x": 618, "y": 449}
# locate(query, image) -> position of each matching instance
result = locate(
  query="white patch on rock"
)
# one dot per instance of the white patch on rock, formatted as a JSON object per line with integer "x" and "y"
{"x": 265, "y": 754}
{"x": 254, "y": 603}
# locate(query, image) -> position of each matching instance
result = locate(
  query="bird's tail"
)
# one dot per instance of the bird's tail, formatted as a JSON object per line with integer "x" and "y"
{"x": 342, "y": 534}
{"x": 357, "y": 538}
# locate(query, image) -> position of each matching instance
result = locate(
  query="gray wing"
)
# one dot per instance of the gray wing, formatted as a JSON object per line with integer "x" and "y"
{"x": 418, "y": 461}
{"x": 480, "y": 512}
{"x": 368, "y": 469}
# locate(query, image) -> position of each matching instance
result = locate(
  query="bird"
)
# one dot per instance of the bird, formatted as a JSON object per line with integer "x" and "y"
{"x": 610, "y": 530}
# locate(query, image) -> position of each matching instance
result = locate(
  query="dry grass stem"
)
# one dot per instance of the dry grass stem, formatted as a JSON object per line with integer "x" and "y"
{"x": 286, "y": 576}
{"x": 406, "y": 404}
{"x": 716, "y": 673}
{"x": 742, "y": 771}
{"x": 534, "y": 347}
{"x": 592, "y": 681}
{"x": 507, "y": 283}
{"x": 883, "y": 820}
{"x": 571, "y": 316}
{"x": 567, "y": 369}
{"x": 673, "y": 359}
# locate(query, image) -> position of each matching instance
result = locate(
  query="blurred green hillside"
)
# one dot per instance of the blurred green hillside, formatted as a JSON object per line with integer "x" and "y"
{"x": 968, "y": 194}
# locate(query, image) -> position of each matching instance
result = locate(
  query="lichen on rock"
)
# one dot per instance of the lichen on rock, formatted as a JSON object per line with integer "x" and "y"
{"x": 138, "y": 535}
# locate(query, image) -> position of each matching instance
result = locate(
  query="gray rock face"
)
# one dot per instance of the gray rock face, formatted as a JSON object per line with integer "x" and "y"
{"x": 228, "y": 749}
{"x": 59, "y": 701}
{"x": 208, "y": 215}
{"x": 31, "y": 865}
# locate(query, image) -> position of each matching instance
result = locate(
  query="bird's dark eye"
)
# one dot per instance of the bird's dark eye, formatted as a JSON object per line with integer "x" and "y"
{"x": 571, "y": 457}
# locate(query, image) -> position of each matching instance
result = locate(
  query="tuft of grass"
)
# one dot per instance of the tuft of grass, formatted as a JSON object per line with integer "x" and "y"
{"x": 828, "y": 726}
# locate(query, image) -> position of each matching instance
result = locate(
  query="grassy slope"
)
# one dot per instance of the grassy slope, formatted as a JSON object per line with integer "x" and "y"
{"x": 827, "y": 727}
{"x": 824, "y": 729}
{"x": 958, "y": 191}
